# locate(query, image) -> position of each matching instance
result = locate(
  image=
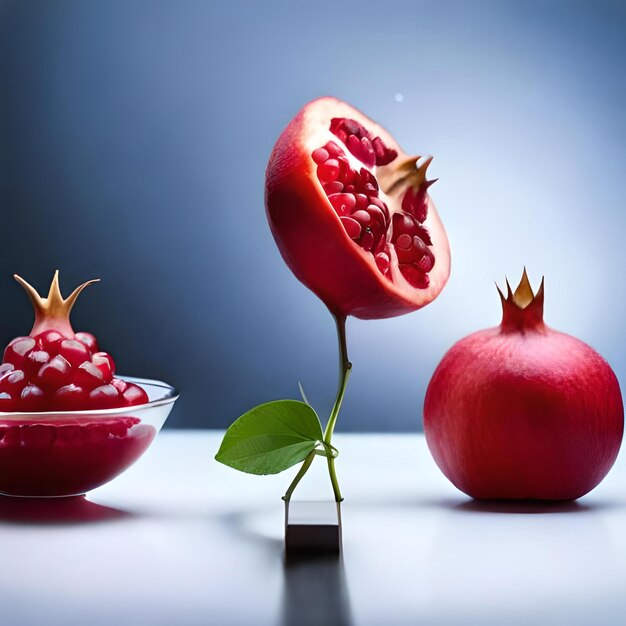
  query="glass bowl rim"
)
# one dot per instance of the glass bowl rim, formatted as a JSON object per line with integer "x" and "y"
{"x": 169, "y": 396}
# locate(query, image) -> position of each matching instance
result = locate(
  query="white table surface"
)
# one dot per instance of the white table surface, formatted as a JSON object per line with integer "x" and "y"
{"x": 184, "y": 540}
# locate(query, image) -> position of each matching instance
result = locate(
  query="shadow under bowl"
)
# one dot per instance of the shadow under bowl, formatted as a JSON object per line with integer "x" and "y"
{"x": 53, "y": 454}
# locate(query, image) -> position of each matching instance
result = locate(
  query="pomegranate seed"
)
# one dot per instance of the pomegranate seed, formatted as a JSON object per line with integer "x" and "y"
{"x": 71, "y": 398}
{"x": 377, "y": 215}
{"x": 18, "y": 349}
{"x": 333, "y": 149}
{"x": 320, "y": 155}
{"x": 353, "y": 228}
{"x": 328, "y": 171}
{"x": 74, "y": 351}
{"x": 379, "y": 148}
{"x": 380, "y": 204}
{"x": 414, "y": 276}
{"x": 120, "y": 385}
{"x": 363, "y": 217}
{"x": 367, "y": 240}
{"x": 31, "y": 398}
{"x": 382, "y": 261}
{"x": 404, "y": 242}
{"x": 361, "y": 201}
{"x": 54, "y": 374}
{"x": 104, "y": 362}
{"x": 50, "y": 340}
{"x": 404, "y": 223}
{"x": 104, "y": 397}
{"x": 343, "y": 203}
{"x": 6, "y": 367}
{"x": 354, "y": 145}
{"x": 334, "y": 187}
{"x": 369, "y": 158}
{"x": 88, "y": 340}
{"x": 13, "y": 382}
{"x": 34, "y": 362}
{"x": 425, "y": 263}
{"x": 415, "y": 202}
{"x": 88, "y": 376}
{"x": 135, "y": 395}
{"x": 352, "y": 126}
{"x": 7, "y": 404}
{"x": 408, "y": 255}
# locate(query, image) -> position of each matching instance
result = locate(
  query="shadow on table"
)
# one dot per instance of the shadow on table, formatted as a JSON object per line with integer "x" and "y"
{"x": 74, "y": 510}
{"x": 524, "y": 507}
{"x": 519, "y": 507}
{"x": 315, "y": 591}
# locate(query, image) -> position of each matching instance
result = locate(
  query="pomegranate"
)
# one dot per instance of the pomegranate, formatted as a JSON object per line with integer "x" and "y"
{"x": 351, "y": 214}
{"x": 56, "y": 369}
{"x": 522, "y": 411}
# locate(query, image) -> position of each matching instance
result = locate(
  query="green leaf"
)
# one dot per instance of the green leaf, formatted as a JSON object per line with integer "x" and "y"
{"x": 271, "y": 437}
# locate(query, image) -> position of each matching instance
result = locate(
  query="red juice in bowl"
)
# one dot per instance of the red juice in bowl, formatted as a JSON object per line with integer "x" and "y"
{"x": 68, "y": 456}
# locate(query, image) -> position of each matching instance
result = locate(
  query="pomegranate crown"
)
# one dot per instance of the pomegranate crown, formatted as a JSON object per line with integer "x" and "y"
{"x": 522, "y": 309}
{"x": 53, "y": 311}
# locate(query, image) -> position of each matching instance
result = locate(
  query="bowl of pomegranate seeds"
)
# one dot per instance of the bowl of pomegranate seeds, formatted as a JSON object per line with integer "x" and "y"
{"x": 68, "y": 422}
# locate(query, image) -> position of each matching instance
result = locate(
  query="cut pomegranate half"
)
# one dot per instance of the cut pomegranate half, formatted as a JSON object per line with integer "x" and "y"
{"x": 351, "y": 214}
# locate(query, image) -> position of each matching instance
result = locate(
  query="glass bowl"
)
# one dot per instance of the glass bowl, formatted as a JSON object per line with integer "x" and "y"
{"x": 54, "y": 454}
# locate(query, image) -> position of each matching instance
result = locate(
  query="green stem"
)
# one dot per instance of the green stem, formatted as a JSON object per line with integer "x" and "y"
{"x": 303, "y": 470}
{"x": 345, "y": 367}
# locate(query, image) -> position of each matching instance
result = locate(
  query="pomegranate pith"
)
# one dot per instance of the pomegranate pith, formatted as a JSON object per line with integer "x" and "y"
{"x": 351, "y": 214}
{"x": 522, "y": 411}
{"x": 57, "y": 369}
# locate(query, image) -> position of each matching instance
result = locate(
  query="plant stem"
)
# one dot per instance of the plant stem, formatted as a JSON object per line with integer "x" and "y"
{"x": 303, "y": 470}
{"x": 345, "y": 367}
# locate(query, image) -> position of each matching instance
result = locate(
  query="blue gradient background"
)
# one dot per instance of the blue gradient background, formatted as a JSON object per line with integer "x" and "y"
{"x": 134, "y": 139}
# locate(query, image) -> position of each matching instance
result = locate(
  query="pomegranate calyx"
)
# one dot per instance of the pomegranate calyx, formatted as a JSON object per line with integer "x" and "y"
{"x": 410, "y": 172}
{"x": 522, "y": 309}
{"x": 53, "y": 311}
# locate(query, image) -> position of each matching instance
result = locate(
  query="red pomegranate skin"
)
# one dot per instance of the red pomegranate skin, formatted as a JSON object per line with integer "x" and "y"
{"x": 310, "y": 235}
{"x": 522, "y": 411}
{"x": 69, "y": 457}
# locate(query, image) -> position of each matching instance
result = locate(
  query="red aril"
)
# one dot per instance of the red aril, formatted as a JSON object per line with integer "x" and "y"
{"x": 55, "y": 368}
{"x": 351, "y": 214}
{"x": 7, "y": 403}
{"x": 6, "y": 367}
{"x": 13, "y": 382}
{"x": 104, "y": 362}
{"x": 50, "y": 340}
{"x": 70, "y": 398}
{"x": 74, "y": 352}
{"x": 104, "y": 397}
{"x": 32, "y": 398}
{"x": 88, "y": 340}
{"x": 55, "y": 374}
{"x": 522, "y": 411}
{"x": 18, "y": 349}
{"x": 88, "y": 376}
{"x": 134, "y": 394}
{"x": 35, "y": 360}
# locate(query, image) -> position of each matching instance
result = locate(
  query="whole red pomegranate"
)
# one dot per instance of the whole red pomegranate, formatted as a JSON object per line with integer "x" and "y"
{"x": 56, "y": 369}
{"x": 351, "y": 214}
{"x": 522, "y": 411}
